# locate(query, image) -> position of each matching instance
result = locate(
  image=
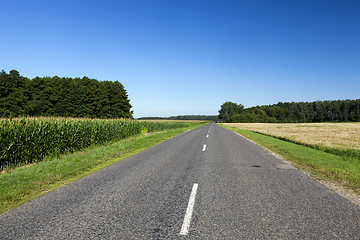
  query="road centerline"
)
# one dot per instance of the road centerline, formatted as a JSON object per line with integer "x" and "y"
{"x": 189, "y": 211}
{"x": 204, "y": 148}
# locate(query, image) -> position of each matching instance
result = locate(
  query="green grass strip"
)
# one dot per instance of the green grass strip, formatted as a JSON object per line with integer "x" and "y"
{"x": 343, "y": 152}
{"x": 25, "y": 183}
{"x": 322, "y": 165}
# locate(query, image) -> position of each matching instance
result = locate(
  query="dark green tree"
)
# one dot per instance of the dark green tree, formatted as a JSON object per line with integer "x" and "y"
{"x": 228, "y": 109}
{"x": 55, "y": 96}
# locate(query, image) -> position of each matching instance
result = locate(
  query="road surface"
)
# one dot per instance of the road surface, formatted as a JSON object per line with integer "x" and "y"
{"x": 207, "y": 183}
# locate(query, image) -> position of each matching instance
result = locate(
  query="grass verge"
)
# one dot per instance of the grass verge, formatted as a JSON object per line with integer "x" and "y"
{"x": 25, "y": 183}
{"x": 343, "y": 170}
{"x": 343, "y": 152}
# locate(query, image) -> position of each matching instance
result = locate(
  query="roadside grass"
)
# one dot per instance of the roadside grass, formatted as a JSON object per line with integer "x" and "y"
{"x": 343, "y": 170}
{"x": 342, "y": 152}
{"x": 22, "y": 184}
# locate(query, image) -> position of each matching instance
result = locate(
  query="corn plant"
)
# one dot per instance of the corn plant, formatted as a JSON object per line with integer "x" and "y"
{"x": 27, "y": 140}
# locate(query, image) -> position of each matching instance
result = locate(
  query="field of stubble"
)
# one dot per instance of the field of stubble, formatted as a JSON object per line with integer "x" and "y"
{"x": 335, "y": 135}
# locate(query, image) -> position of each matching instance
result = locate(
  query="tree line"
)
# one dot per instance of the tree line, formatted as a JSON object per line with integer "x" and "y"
{"x": 62, "y": 96}
{"x": 293, "y": 112}
{"x": 214, "y": 118}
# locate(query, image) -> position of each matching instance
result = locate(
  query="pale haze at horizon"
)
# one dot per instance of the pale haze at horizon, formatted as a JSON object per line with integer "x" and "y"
{"x": 189, "y": 57}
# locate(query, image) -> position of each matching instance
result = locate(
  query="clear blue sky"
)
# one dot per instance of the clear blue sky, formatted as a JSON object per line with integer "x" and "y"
{"x": 180, "y": 57}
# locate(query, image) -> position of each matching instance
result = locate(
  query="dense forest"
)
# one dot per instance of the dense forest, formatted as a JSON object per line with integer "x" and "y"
{"x": 294, "y": 112}
{"x": 65, "y": 97}
{"x": 214, "y": 118}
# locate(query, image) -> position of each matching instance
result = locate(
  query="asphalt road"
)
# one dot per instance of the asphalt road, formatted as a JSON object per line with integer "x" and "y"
{"x": 242, "y": 192}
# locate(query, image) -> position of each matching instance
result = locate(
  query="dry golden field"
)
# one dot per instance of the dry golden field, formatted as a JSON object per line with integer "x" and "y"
{"x": 343, "y": 135}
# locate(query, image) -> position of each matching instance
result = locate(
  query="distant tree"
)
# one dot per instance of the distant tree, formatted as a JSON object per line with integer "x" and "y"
{"x": 14, "y": 94}
{"x": 214, "y": 118}
{"x": 121, "y": 102}
{"x": 55, "y": 96}
{"x": 318, "y": 111}
{"x": 228, "y": 109}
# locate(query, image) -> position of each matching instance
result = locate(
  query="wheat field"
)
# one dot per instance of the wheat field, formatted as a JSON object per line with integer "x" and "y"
{"x": 338, "y": 135}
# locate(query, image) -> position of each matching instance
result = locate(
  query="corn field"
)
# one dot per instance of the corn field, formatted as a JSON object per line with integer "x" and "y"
{"x": 27, "y": 140}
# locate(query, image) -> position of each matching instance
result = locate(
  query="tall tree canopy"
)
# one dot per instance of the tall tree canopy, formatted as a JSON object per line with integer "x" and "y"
{"x": 230, "y": 110}
{"x": 66, "y": 97}
{"x": 302, "y": 112}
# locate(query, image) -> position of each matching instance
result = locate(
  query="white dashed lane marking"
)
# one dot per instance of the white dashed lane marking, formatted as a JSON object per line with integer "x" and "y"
{"x": 189, "y": 211}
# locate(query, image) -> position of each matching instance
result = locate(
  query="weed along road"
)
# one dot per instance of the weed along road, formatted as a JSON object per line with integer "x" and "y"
{"x": 207, "y": 183}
